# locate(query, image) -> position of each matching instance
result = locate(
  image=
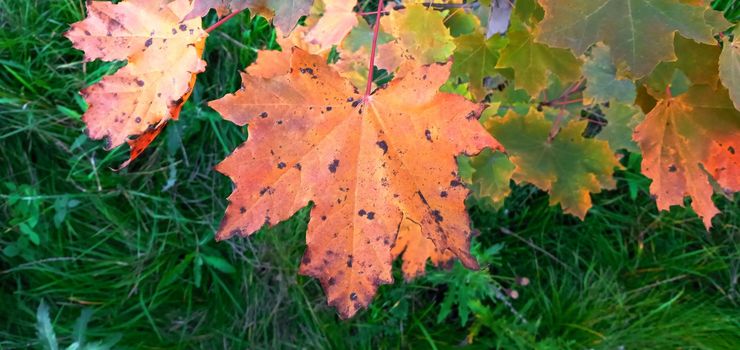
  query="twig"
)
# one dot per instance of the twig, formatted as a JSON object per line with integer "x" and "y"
{"x": 223, "y": 20}
{"x": 371, "y": 65}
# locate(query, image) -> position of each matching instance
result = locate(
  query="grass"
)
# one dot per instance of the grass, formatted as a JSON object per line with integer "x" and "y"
{"x": 136, "y": 247}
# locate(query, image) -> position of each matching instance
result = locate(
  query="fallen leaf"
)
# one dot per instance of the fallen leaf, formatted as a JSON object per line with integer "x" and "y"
{"x": 366, "y": 166}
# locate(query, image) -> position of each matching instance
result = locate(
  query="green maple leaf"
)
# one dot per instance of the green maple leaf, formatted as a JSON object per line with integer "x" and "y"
{"x": 695, "y": 64}
{"x": 421, "y": 33}
{"x": 475, "y": 59}
{"x": 362, "y": 36}
{"x": 533, "y": 62}
{"x": 639, "y": 32}
{"x": 729, "y": 67}
{"x": 602, "y": 82}
{"x": 491, "y": 176}
{"x": 570, "y": 167}
{"x": 621, "y": 122}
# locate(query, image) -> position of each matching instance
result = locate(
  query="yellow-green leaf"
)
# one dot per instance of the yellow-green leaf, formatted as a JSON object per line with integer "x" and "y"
{"x": 421, "y": 33}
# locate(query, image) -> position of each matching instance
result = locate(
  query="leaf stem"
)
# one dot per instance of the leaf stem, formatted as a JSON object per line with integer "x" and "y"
{"x": 371, "y": 65}
{"x": 223, "y": 20}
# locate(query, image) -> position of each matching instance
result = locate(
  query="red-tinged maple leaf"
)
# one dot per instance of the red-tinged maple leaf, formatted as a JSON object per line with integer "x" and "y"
{"x": 163, "y": 54}
{"x": 368, "y": 167}
{"x": 686, "y": 139}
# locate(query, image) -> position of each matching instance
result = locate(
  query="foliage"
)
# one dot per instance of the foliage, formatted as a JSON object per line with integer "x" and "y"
{"x": 481, "y": 311}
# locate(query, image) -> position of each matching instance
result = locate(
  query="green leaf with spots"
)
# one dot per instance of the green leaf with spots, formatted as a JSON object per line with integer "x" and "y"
{"x": 568, "y": 166}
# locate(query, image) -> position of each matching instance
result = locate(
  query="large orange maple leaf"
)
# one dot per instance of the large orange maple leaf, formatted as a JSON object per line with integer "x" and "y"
{"x": 379, "y": 171}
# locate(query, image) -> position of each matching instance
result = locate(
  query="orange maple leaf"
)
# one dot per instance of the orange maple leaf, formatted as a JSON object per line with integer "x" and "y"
{"x": 685, "y": 140}
{"x": 380, "y": 172}
{"x": 163, "y": 54}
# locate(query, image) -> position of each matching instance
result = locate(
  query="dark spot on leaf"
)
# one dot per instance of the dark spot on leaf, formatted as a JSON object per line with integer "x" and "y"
{"x": 731, "y": 150}
{"x": 148, "y": 42}
{"x": 353, "y": 296}
{"x": 333, "y": 166}
{"x": 428, "y": 135}
{"x": 443, "y": 194}
{"x": 281, "y": 165}
{"x": 371, "y": 215}
{"x": 298, "y": 166}
{"x": 349, "y": 260}
{"x": 455, "y": 183}
{"x": 242, "y": 210}
{"x": 306, "y": 260}
{"x": 137, "y": 120}
{"x": 437, "y": 216}
{"x": 356, "y": 103}
{"x": 323, "y": 217}
{"x": 672, "y": 168}
{"x": 328, "y": 108}
{"x": 263, "y": 115}
{"x": 139, "y": 82}
{"x": 264, "y": 190}
{"x": 383, "y": 146}
{"x": 362, "y": 212}
{"x": 332, "y": 281}
{"x": 183, "y": 27}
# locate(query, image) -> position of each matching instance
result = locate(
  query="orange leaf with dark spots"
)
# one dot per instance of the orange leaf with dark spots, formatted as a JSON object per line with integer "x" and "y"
{"x": 381, "y": 173}
{"x": 163, "y": 54}
{"x": 685, "y": 140}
